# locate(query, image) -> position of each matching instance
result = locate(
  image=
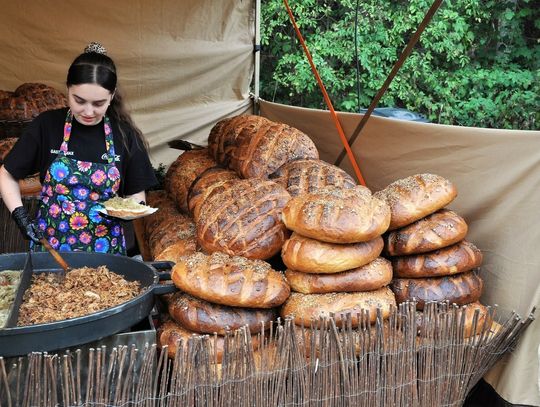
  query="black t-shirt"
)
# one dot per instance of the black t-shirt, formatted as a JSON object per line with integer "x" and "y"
{"x": 40, "y": 143}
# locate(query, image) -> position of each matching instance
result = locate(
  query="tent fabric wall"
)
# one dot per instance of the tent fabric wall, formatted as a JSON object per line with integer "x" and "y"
{"x": 497, "y": 174}
{"x": 182, "y": 65}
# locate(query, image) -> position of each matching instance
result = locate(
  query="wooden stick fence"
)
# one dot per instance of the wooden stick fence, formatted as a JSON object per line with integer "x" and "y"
{"x": 388, "y": 363}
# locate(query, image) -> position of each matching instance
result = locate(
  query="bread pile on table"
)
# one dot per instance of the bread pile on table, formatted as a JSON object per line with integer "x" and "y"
{"x": 259, "y": 191}
{"x": 431, "y": 259}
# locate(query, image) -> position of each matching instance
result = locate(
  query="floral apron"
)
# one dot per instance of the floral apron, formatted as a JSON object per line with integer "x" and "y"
{"x": 71, "y": 196}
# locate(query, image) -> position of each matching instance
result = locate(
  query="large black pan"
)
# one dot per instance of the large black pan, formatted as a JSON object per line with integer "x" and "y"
{"x": 17, "y": 341}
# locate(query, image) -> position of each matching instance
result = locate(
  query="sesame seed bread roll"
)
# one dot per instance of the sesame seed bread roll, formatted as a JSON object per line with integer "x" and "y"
{"x": 337, "y": 215}
{"x": 458, "y": 258}
{"x": 305, "y": 308}
{"x": 230, "y": 280}
{"x": 205, "y": 317}
{"x": 440, "y": 229}
{"x": 460, "y": 289}
{"x": 369, "y": 277}
{"x": 309, "y": 175}
{"x": 415, "y": 197}
{"x": 302, "y": 253}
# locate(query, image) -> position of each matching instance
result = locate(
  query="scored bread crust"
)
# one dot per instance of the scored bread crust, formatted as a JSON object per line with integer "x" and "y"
{"x": 460, "y": 289}
{"x": 338, "y": 215}
{"x": 308, "y": 175}
{"x": 368, "y": 277}
{"x": 243, "y": 217}
{"x": 415, "y": 197}
{"x": 458, "y": 258}
{"x": 230, "y": 280}
{"x": 205, "y": 317}
{"x": 302, "y": 253}
{"x": 440, "y": 229}
{"x": 307, "y": 308}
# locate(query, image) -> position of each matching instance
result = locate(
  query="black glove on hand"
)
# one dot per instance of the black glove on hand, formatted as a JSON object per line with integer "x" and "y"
{"x": 27, "y": 227}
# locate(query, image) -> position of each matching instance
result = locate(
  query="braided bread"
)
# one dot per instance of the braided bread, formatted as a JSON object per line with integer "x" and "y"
{"x": 337, "y": 215}
{"x": 204, "y": 317}
{"x": 309, "y": 175}
{"x": 415, "y": 197}
{"x": 307, "y": 308}
{"x": 458, "y": 258}
{"x": 440, "y": 229}
{"x": 460, "y": 289}
{"x": 313, "y": 256}
{"x": 243, "y": 217}
{"x": 371, "y": 276}
{"x": 230, "y": 280}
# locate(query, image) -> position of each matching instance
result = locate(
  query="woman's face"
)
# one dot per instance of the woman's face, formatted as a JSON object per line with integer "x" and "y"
{"x": 88, "y": 103}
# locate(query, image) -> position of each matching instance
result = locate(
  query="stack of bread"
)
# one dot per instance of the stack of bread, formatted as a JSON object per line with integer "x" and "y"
{"x": 333, "y": 256}
{"x": 431, "y": 260}
{"x": 221, "y": 293}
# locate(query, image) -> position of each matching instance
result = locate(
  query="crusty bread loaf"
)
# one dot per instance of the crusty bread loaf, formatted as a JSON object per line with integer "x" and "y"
{"x": 460, "y": 289}
{"x": 440, "y": 229}
{"x": 167, "y": 207}
{"x": 222, "y": 140}
{"x": 205, "y": 317}
{"x": 309, "y": 175}
{"x": 458, "y": 258}
{"x": 337, "y": 215}
{"x": 170, "y": 333}
{"x": 415, "y": 197}
{"x": 483, "y": 322}
{"x": 6, "y": 145}
{"x": 188, "y": 166}
{"x": 177, "y": 249}
{"x": 264, "y": 146}
{"x": 29, "y": 100}
{"x": 369, "y": 277}
{"x": 302, "y": 253}
{"x": 305, "y": 308}
{"x": 204, "y": 184}
{"x": 243, "y": 217}
{"x": 173, "y": 229}
{"x": 230, "y": 280}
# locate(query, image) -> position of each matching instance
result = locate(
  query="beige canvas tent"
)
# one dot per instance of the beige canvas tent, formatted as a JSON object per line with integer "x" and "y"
{"x": 183, "y": 65}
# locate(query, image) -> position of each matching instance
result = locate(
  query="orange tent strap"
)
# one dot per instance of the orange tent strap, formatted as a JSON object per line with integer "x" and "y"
{"x": 326, "y": 98}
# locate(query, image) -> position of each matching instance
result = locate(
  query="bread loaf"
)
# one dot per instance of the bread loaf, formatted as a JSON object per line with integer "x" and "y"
{"x": 309, "y": 175}
{"x": 307, "y": 308}
{"x": 460, "y": 289}
{"x": 29, "y": 100}
{"x": 204, "y": 184}
{"x": 337, "y": 215}
{"x": 230, "y": 280}
{"x": 204, "y": 317}
{"x": 167, "y": 208}
{"x": 5, "y": 147}
{"x": 264, "y": 146}
{"x": 170, "y": 334}
{"x": 183, "y": 172}
{"x": 371, "y": 276}
{"x": 415, "y": 197}
{"x": 440, "y": 229}
{"x": 467, "y": 312}
{"x": 313, "y": 256}
{"x": 458, "y": 258}
{"x": 173, "y": 229}
{"x": 243, "y": 217}
{"x": 222, "y": 141}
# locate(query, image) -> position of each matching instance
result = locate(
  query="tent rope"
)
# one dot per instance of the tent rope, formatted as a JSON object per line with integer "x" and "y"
{"x": 350, "y": 153}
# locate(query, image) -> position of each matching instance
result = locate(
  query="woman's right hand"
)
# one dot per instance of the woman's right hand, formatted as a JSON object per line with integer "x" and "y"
{"x": 27, "y": 225}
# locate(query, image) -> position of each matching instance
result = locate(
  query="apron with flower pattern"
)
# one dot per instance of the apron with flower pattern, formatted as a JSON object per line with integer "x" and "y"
{"x": 71, "y": 196}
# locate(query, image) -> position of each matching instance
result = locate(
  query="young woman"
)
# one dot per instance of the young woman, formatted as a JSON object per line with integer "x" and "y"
{"x": 85, "y": 154}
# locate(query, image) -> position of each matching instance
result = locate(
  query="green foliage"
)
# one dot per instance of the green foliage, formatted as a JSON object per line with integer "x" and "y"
{"x": 160, "y": 172}
{"x": 476, "y": 64}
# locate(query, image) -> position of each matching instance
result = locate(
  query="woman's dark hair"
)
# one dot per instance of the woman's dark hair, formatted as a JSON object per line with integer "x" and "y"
{"x": 97, "y": 68}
